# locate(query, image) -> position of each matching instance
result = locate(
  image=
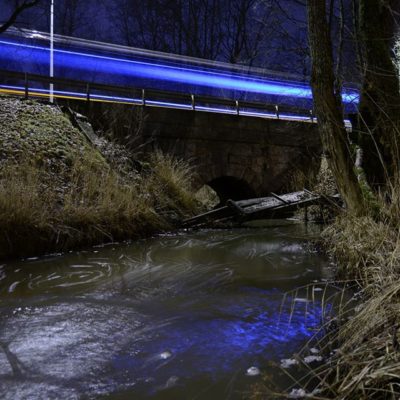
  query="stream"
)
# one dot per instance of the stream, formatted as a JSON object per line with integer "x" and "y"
{"x": 194, "y": 315}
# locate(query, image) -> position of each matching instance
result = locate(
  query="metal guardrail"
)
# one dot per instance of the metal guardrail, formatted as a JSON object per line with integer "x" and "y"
{"x": 145, "y": 96}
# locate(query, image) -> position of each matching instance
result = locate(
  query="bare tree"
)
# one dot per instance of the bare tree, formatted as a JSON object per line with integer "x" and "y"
{"x": 244, "y": 32}
{"x": 230, "y": 31}
{"x": 380, "y": 96}
{"x": 19, "y": 8}
{"x": 329, "y": 110}
{"x": 71, "y": 16}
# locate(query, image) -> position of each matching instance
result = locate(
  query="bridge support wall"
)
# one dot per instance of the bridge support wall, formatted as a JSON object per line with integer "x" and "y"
{"x": 238, "y": 156}
{"x": 255, "y": 155}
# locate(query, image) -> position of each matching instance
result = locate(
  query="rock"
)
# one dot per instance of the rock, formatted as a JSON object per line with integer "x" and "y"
{"x": 253, "y": 371}
{"x": 171, "y": 382}
{"x": 165, "y": 355}
{"x": 311, "y": 359}
{"x": 288, "y": 362}
{"x": 297, "y": 394}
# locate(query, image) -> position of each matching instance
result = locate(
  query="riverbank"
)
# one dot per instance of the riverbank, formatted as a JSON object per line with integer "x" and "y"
{"x": 60, "y": 189}
{"x": 366, "y": 363}
{"x": 360, "y": 345}
{"x": 362, "y": 342}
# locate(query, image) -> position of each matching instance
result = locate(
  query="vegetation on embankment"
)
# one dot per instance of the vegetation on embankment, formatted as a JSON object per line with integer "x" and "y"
{"x": 59, "y": 191}
{"x": 365, "y": 361}
{"x": 365, "y": 240}
{"x": 360, "y": 345}
{"x": 366, "y": 364}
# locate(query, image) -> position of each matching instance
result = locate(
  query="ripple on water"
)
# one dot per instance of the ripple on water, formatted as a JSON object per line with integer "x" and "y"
{"x": 46, "y": 280}
{"x": 160, "y": 314}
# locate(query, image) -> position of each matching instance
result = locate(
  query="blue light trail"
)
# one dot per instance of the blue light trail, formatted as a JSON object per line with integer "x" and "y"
{"x": 77, "y": 62}
{"x": 166, "y": 104}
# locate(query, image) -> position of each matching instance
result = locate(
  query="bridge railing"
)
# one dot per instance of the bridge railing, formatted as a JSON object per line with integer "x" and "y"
{"x": 23, "y": 84}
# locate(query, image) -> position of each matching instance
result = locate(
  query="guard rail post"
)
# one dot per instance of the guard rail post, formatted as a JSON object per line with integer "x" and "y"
{"x": 143, "y": 98}
{"x": 193, "y": 101}
{"x": 26, "y": 87}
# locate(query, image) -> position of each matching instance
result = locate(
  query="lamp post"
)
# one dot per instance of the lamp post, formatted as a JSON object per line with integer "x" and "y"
{"x": 52, "y": 50}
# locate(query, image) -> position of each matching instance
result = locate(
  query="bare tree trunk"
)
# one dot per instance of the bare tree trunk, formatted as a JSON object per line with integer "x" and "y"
{"x": 380, "y": 96}
{"x": 328, "y": 108}
{"x": 17, "y": 11}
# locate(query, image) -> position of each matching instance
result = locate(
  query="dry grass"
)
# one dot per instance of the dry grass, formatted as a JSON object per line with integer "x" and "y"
{"x": 97, "y": 205}
{"x": 361, "y": 343}
{"x": 323, "y": 184}
{"x": 25, "y": 210}
{"x": 367, "y": 362}
{"x": 170, "y": 182}
{"x": 366, "y": 249}
{"x": 21, "y": 200}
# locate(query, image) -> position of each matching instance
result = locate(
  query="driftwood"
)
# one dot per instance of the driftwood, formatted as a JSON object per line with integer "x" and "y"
{"x": 274, "y": 206}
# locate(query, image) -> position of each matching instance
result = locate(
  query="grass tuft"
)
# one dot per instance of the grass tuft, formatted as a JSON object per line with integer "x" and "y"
{"x": 96, "y": 205}
{"x": 170, "y": 182}
{"x": 361, "y": 340}
{"x": 366, "y": 363}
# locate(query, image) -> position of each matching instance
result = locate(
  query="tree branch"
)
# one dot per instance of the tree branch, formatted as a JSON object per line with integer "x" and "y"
{"x": 18, "y": 10}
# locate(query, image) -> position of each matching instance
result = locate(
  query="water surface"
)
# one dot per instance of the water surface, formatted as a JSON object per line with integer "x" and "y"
{"x": 174, "y": 317}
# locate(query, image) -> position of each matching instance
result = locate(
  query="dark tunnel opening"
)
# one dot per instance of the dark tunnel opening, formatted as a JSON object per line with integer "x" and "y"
{"x": 229, "y": 187}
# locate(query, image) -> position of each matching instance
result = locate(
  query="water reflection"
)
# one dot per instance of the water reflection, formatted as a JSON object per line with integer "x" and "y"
{"x": 183, "y": 316}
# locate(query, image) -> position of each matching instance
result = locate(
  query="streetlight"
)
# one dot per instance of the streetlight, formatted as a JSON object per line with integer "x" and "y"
{"x": 52, "y": 50}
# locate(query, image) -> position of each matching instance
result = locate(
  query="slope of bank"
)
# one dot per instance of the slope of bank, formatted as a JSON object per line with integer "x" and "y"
{"x": 358, "y": 346}
{"x": 362, "y": 342}
{"x": 58, "y": 190}
{"x": 366, "y": 362}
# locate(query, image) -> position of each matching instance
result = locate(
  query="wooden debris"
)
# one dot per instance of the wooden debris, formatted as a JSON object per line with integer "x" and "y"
{"x": 274, "y": 206}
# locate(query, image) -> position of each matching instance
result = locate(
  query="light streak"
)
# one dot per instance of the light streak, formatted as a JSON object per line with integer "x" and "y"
{"x": 150, "y": 103}
{"x": 119, "y": 67}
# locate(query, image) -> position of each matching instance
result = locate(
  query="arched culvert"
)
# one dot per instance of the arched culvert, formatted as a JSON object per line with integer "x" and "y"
{"x": 229, "y": 187}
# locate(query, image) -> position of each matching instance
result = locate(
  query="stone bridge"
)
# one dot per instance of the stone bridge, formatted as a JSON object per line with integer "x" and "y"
{"x": 238, "y": 156}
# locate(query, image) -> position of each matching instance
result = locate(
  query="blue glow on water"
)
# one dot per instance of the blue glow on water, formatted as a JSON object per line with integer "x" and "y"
{"x": 77, "y": 62}
{"x": 231, "y": 336}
